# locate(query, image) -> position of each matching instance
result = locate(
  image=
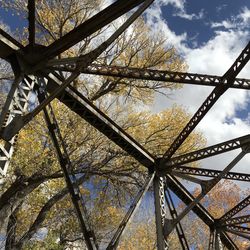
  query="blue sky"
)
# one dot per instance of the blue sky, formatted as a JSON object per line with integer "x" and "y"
{"x": 197, "y": 16}
{"x": 12, "y": 19}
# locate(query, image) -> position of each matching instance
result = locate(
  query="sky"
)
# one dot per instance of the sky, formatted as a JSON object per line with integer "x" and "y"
{"x": 209, "y": 35}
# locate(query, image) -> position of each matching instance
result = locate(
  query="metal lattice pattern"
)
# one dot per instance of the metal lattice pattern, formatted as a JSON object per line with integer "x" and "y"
{"x": 146, "y": 74}
{"x": 17, "y": 104}
{"x": 40, "y": 63}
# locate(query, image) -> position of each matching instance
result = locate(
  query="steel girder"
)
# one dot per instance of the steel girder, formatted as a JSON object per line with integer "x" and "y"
{"x": 17, "y": 103}
{"x": 95, "y": 23}
{"x": 209, "y": 151}
{"x": 227, "y": 81}
{"x": 236, "y": 220}
{"x": 79, "y": 104}
{"x": 8, "y": 46}
{"x": 160, "y": 212}
{"x": 66, "y": 166}
{"x": 239, "y": 207}
{"x": 242, "y": 235}
{"x": 145, "y": 74}
{"x": 198, "y": 209}
{"x": 36, "y": 59}
{"x": 18, "y": 123}
{"x": 174, "y": 215}
{"x": 87, "y": 110}
{"x": 184, "y": 170}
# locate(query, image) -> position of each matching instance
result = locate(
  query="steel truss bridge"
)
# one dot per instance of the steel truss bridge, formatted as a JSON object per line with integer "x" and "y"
{"x": 36, "y": 69}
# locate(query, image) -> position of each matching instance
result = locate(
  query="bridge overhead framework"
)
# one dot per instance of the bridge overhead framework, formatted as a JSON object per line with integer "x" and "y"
{"x": 38, "y": 70}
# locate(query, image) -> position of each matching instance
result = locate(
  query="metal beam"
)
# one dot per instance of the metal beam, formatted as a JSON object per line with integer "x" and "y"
{"x": 8, "y": 45}
{"x": 211, "y": 240}
{"x": 70, "y": 178}
{"x": 207, "y": 173}
{"x": 216, "y": 149}
{"x": 160, "y": 212}
{"x": 198, "y": 209}
{"x": 79, "y": 104}
{"x": 227, "y": 241}
{"x": 145, "y": 74}
{"x": 218, "y": 243}
{"x": 31, "y": 21}
{"x": 17, "y": 103}
{"x": 236, "y": 220}
{"x": 98, "y": 21}
{"x": 227, "y": 81}
{"x": 239, "y": 229}
{"x": 130, "y": 213}
{"x": 187, "y": 198}
{"x": 83, "y": 107}
{"x": 239, "y": 234}
{"x": 174, "y": 215}
{"x": 243, "y": 204}
{"x": 72, "y": 100}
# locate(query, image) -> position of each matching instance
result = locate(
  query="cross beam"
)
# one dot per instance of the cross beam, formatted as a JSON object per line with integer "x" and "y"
{"x": 184, "y": 170}
{"x": 67, "y": 168}
{"x": 227, "y": 81}
{"x": 70, "y": 64}
{"x": 237, "y": 220}
{"x": 216, "y": 149}
{"x": 174, "y": 215}
{"x": 95, "y": 23}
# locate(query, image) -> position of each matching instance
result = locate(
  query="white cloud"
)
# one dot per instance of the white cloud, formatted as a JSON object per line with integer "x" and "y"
{"x": 216, "y": 56}
{"x": 189, "y": 17}
{"x": 245, "y": 15}
{"x": 220, "y": 8}
{"x": 158, "y": 24}
{"x": 180, "y": 9}
{"x": 179, "y": 4}
{"x": 238, "y": 22}
{"x": 225, "y": 24}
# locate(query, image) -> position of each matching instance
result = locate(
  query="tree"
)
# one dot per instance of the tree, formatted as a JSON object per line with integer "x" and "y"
{"x": 34, "y": 192}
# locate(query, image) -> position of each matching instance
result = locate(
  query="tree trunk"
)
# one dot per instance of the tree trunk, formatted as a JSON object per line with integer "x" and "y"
{"x": 13, "y": 197}
{"x": 11, "y": 229}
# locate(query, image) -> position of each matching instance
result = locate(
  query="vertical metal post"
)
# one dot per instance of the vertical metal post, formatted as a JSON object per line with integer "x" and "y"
{"x": 174, "y": 215}
{"x": 32, "y": 21}
{"x": 160, "y": 212}
{"x": 66, "y": 165}
{"x": 218, "y": 244}
{"x": 211, "y": 240}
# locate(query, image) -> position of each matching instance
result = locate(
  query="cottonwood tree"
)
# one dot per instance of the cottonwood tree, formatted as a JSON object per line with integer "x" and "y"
{"x": 34, "y": 197}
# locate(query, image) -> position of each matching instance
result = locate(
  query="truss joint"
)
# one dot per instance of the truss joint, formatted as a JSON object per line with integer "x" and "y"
{"x": 246, "y": 148}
